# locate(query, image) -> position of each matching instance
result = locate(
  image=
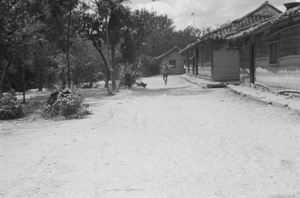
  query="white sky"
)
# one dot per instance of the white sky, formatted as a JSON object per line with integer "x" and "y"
{"x": 207, "y": 12}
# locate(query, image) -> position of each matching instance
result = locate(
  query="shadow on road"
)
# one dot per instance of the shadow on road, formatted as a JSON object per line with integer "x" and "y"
{"x": 180, "y": 91}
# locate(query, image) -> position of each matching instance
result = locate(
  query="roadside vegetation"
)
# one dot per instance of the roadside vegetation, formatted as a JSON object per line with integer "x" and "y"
{"x": 65, "y": 105}
{"x": 62, "y": 45}
{"x": 9, "y": 107}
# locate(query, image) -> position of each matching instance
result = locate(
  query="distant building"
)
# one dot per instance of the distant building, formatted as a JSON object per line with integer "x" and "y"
{"x": 173, "y": 59}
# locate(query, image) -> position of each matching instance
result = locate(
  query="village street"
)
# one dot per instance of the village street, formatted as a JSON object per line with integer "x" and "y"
{"x": 166, "y": 141}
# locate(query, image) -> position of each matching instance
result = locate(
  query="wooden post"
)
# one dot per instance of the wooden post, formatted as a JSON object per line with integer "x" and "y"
{"x": 252, "y": 60}
{"x": 41, "y": 66}
{"x": 188, "y": 61}
{"x": 22, "y": 70}
{"x": 211, "y": 60}
{"x": 67, "y": 45}
{"x": 197, "y": 60}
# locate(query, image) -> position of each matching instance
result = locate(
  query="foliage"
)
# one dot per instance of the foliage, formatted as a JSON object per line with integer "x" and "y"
{"x": 151, "y": 66}
{"x": 143, "y": 24}
{"x": 137, "y": 43}
{"x": 87, "y": 65}
{"x": 19, "y": 29}
{"x": 163, "y": 38}
{"x": 18, "y": 26}
{"x": 9, "y": 107}
{"x": 64, "y": 105}
{"x": 36, "y": 35}
{"x": 92, "y": 27}
{"x": 160, "y": 42}
{"x": 102, "y": 27}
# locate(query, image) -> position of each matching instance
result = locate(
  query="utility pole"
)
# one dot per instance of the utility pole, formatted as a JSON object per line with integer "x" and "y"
{"x": 194, "y": 13}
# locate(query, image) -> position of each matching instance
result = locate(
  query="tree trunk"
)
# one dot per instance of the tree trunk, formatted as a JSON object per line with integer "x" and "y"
{"x": 76, "y": 80}
{"x": 111, "y": 73}
{"x": 24, "y": 84}
{"x": 8, "y": 82}
{"x": 67, "y": 45}
{"x": 4, "y": 75}
{"x": 41, "y": 66}
{"x": 22, "y": 70}
{"x": 107, "y": 69}
{"x": 40, "y": 77}
{"x": 113, "y": 77}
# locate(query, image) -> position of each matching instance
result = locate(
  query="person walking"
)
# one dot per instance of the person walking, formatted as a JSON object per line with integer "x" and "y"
{"x": 165, "y": 72}
{"x": 127, "y": 71}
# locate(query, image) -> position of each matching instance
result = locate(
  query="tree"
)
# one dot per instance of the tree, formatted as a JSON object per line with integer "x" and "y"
{"x": 88, "y": 64}
{"x": 60, "y": 12}
{"x": 116, "y": 16}
{"x": 18, "y": 30}
{"x": 95, "y": 26}
{"x": 70, "y": 5}
{"x": 142, "y": 27}
{"x": 92, "y": 26}
{"x": 165, "y": 39}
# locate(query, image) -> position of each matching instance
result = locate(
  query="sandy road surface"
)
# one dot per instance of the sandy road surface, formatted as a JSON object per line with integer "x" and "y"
{"x": 168, "y": 141}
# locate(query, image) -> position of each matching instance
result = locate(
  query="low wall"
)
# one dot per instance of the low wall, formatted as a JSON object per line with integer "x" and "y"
{"x": 204, "y": 71}
{"x": 285, "y": 75}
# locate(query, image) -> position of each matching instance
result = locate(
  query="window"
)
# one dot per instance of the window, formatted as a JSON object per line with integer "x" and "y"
{"x": 262, "y": 46}
{"x": 172, "y": 62}
{"x": 273, "y": 52}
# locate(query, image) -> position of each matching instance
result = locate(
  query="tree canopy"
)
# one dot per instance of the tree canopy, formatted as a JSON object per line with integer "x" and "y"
{"x": 50, "y": 42}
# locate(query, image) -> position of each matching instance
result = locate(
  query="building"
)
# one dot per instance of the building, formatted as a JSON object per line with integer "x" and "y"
{"x": 174, "y": 59}
{"x": 214, "y": 57}
{"x": 270, "y": 50}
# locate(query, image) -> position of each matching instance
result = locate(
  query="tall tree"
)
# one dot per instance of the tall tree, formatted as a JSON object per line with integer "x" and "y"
{"x": 58, "y": 15}
{"x": 107, "y": 14}
{"x": 70, "y": 5}
{"x": 18, "y": 30}
{"x": 143, "y": 26}
{"x": 93, "y": 27}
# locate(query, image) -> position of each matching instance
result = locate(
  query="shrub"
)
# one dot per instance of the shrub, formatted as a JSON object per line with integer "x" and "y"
{"x": 9, "y": 107}
{"x": 65, "y": 105}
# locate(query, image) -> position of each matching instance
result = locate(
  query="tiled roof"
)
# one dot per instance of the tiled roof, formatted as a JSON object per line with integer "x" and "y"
{"x": 164, "y": 54}
{"x": 188, "y": 47}
{"x": 236, "y": 26}
{"x": 241, "y": 23}
{"x": 259, "y": 27}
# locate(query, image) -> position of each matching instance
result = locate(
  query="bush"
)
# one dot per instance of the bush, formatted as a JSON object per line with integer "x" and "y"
{"x": 65, "y": 105}
{"x": 9, "y": 108}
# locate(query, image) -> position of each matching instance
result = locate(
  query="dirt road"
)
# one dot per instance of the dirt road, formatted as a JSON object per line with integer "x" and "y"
{"x": 172, "y": 141}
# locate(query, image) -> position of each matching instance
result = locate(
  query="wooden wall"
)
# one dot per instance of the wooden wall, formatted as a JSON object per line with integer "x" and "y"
{"x": 245, "y": 60}
{"x": 204, "y": 62}
{"x": 225, "y": 64}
